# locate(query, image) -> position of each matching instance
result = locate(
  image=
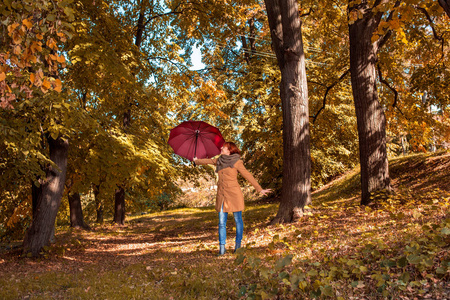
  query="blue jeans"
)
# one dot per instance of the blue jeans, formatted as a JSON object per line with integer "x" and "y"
{"x": 223, "y": 226}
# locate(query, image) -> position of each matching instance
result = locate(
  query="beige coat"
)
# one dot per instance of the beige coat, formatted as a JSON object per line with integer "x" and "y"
{"x": 228, "y": 190}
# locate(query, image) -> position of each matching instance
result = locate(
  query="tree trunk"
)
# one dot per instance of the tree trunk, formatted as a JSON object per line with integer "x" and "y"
{"x": 446, "y": 6}
{"x": 98, "y": 204}
{"x": 35, "y": 192}
{"x": 100, "y": 218}
{"x": 285, "y": 26}
{"x": 371, "y": 120}
{"x": 140, "y": 26}
{"x": 119, "y": 206}
{"x": 48, "y": 199}
{"x": 250, "y": 47}
{"x": 119, "y": 198}
{"x": 76, "y": 212}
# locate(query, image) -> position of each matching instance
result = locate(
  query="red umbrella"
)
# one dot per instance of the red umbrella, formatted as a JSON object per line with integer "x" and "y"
{"x": 196, "y": 139}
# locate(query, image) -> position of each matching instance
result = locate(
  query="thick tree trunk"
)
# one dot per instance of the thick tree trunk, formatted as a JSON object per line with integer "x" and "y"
{"x": 48, "y": 200}
{"x": 35, "y": 192}
{"x": 76, "y": 212}
{"x": 119, "y": 206}
{"x": 285, "y": 25}
{"x": 371, "y": 120}
{"x": 446, "y": 6}
{"x": 98, "y": 204}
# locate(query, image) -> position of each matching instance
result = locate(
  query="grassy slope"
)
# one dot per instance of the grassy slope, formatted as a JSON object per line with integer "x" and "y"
{"x": 397, "y": 248}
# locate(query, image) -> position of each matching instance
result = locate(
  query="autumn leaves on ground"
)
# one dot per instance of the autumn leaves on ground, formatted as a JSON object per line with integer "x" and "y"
{"x": 397, "y": 248}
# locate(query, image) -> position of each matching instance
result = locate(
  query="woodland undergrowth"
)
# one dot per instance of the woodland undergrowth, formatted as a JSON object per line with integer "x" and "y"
{"x": 396, "y": 248}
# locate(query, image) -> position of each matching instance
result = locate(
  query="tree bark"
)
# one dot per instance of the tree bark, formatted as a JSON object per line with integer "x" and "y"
{"x": 119, "y": 193}
{"x": 98, "y": 204}
{"x": 285, "y": 26}
{"x": 119, "y": 198}
{"x": 250, "y": 47}
{"x": 35, "y": 192}
{"x": 48, "y": 199}
{"x": 119, "y": 206}
{"x": 446, "y": 6}
{"x": 76, "y": 212}
{"x": 371, "y": 120}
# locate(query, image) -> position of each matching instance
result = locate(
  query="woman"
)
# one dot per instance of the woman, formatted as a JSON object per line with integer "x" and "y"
{"x": 229, "y": 195}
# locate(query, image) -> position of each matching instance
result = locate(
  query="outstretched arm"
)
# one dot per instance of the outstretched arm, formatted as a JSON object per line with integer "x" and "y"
{"x": 247, "y": 175}
{"x": 205, "y": 161}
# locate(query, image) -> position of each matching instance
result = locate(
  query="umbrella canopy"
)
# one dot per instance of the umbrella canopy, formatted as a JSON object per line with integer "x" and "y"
{"x": 196, "y": 139}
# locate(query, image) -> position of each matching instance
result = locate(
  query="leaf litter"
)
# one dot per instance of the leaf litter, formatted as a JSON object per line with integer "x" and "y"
{"x": 398, "y": 247}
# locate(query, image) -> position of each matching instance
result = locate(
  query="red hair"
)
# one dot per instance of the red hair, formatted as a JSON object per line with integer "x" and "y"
{"x": 232, "y": 147}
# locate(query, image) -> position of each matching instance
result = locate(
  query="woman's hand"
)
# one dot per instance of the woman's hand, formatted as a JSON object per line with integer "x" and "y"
{"x": 195, "y": 158}
{"x": 265, "y": 192}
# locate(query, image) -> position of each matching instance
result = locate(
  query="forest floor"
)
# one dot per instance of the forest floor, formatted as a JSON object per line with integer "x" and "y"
{"x": 397, "y": 248}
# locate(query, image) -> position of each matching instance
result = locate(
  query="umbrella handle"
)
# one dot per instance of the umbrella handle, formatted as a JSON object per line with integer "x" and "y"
{"x": 196, "y": 138}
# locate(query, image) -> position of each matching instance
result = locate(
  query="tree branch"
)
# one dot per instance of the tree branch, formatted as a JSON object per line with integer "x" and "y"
{"x": 326, "y": 93}
{"x": 376, "y": 3}
{"x": 307, "y": 13}
{"x": 173, "y": 12}
{"x": 384, "y": 81}
{"x": 382, "y": 41}
{"x": 436, "y": 36}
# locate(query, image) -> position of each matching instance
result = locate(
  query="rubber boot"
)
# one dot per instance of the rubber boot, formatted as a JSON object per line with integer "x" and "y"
{"x": 222, "y": 250}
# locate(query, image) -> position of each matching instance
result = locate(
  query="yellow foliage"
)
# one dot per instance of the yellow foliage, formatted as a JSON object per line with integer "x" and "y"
{"x": 22, "y": 46}
{"x": 27, "y": 23}
{"x": 394, "y": 24}
{"x": 2, "y": 76}
{"x": 375, "y": 38}
{"x": 32, "y": 58}
{"x": 17, "y": 50}
{"x": 60, "y": 59}
{"x": 51, "y": 43}
{"x": 40, "y": 74}
{"x": 21, "y": 210}
{"x": 12, "y": 27}
{"x": 17, "y": 37}
{"x": 403, "y": 37}
{"x": 45, "y": 85}
{"x": 57, "y": 85}
{"x": 36, "y": 46}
